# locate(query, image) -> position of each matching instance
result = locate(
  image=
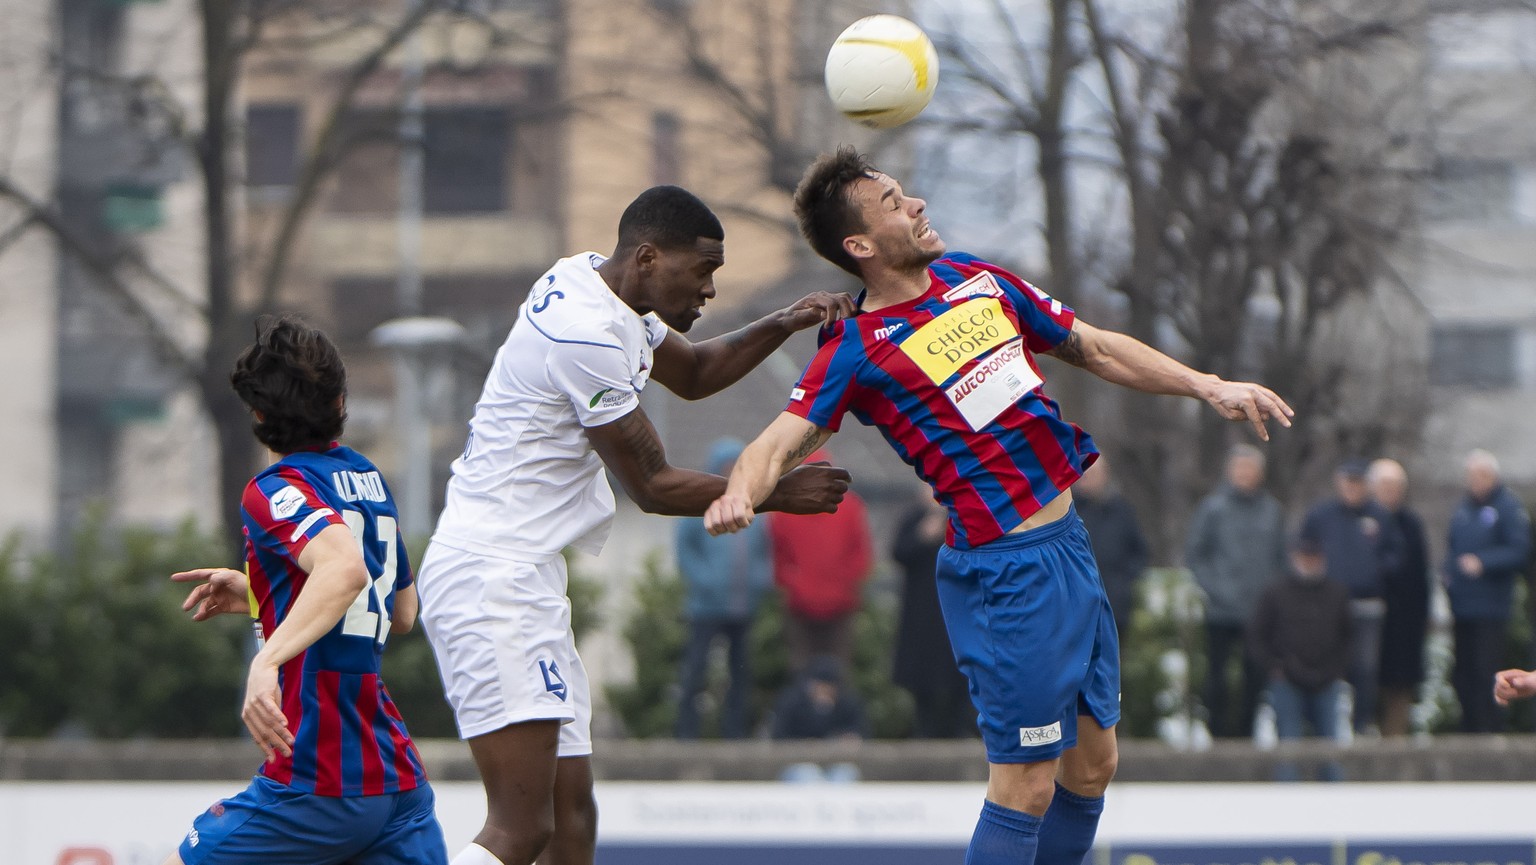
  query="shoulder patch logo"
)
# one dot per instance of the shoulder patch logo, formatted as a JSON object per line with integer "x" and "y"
{"x": 597, "y": 397}
{"x": 286, "y": 502}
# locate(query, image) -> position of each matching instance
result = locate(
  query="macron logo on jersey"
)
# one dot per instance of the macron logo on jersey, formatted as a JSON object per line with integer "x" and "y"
{"x": 286, "y": 502}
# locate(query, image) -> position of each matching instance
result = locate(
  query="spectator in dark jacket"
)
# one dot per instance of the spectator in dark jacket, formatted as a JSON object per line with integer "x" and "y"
{"x": 1236, "y": 548}
{"x": 1118, "y": 544}
{"x": 925, "y": 663}
{"x": 1362, "y": 546}
{"x": 1406, "y": 592}
{"x": 724, "y": 581}
{"x": 819, "y": 704}
{"x": 1300, "y": 638}
{"x": 1489, "y": 543}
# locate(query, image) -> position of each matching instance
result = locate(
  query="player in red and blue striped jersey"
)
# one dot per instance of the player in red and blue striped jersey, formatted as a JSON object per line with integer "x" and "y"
{"x": 327, "y": 581}
{"x": 941, "y": 358}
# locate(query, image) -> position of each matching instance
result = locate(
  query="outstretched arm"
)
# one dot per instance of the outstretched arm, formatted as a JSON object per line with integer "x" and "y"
{"x": 1127, "y": 361}
{"x": 694, "y": 370}
{"x": 779, "y": 448}
{"x": 631, "y": 449}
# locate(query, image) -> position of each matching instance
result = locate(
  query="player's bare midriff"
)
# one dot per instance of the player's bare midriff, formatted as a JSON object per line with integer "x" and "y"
{"x": 1055, "y": 510}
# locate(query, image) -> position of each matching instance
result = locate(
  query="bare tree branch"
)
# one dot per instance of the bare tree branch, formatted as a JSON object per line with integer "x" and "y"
{"x": 109, "y": 271}
{"x": 317, "y": 166}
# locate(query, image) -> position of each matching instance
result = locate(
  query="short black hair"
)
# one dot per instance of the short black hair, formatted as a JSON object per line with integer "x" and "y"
{"x": 669, "y": 217}
{"x": 293, "y": 375}
{"x": 824, "y": 204}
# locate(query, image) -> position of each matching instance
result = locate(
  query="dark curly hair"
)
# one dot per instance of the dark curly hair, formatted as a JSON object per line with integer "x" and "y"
{"x": 824, "y": 204}
{"x": 293, "y": 381}
{"x": 670, "y": 217}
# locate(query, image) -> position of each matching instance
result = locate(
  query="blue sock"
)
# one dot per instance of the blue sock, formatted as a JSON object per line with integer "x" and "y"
{"x": 1066, "y": 832}
{"x": 1003, "y": 837}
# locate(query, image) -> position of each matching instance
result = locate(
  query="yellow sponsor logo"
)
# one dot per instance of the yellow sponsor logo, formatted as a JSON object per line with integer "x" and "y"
{"x": 959, "y": 336}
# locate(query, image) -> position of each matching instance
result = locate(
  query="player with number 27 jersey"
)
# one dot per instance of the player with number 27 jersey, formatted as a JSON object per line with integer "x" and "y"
{"x": 349, "y": 739}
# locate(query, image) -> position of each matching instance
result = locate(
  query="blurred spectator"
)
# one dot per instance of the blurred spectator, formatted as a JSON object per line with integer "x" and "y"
{"x": 1488, "y": 545}
{"x": 1300, "y": 637}
{"x": 1406, "y": 592}
{"x": 925, "y": 663}
{"x": 819, "y": 704}
{"x": 1116, "y": 538}
{"x": 820, "y": 562}
{"x": 1361, "y": 544}
{"x": 1236, "y": 548}
{"x": 724, "y": 580}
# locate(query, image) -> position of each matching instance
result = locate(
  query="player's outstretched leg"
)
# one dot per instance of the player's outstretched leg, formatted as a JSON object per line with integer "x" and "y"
{"x": 517, "y": 766}
{"x": 1018, "y": 794}
{"x": 1066, "y": 835}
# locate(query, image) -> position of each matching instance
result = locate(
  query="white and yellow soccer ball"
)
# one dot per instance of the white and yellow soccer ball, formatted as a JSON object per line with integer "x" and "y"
{"x": 881, "y": 71}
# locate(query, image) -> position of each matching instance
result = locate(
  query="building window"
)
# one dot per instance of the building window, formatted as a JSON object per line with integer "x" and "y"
{"x": 271, "y": 145}
{"x": 132, "y": 208}
{"x": 1475, "y": 357}
{"x": 465, "y": 156}
{"x": 666, "y": 149}
{"x": 1471, "y": 190}
{"x": 368, "y": 166}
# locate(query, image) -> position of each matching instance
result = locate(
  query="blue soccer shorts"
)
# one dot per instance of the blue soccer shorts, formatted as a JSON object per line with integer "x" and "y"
{"x": 1032, "y": 632}
{"x": 270, "y": 823}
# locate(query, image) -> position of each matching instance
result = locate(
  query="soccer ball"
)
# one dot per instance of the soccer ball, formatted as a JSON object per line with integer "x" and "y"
{"x": 881, "y": 71}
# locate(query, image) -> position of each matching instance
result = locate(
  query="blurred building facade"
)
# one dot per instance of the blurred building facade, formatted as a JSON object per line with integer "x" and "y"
{"x": 1478, "y": 277}
{"x": 28, "y": 273}
{"x": 96, "y": 168}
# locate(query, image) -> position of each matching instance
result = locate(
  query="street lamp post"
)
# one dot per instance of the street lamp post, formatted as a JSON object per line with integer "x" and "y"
{"x": 416, "y": 343}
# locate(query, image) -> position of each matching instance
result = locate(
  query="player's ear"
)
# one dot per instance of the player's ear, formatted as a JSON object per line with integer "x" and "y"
{"x": 645, "y": 256}
{"x": 858, "y": 246}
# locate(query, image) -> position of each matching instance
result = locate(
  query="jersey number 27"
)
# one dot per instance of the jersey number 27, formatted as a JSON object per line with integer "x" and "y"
{"x": 360, "y": 621}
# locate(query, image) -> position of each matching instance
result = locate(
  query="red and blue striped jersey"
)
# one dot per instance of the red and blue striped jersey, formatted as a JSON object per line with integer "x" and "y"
{"x": 950, "y": 380}
{"x": 349, "y": 739}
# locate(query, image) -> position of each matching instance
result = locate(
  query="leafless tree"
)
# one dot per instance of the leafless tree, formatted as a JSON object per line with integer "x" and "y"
{"x": 1260, "y": 160}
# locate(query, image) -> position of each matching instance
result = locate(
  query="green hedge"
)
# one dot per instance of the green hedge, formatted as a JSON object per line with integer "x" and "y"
{"x": 93, "y": 641}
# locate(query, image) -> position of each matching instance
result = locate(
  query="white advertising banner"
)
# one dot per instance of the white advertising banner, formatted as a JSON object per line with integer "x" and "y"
{"x": 127, "y": 823}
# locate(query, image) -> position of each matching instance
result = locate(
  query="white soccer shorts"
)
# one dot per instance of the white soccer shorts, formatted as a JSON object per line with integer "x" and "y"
{"x": 501, "y": 631}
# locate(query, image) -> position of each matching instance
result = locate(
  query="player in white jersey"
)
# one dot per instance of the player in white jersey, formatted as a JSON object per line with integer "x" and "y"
{"x": 561, "y": 402}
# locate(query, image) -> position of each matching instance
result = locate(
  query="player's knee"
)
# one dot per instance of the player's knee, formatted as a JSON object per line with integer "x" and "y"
{"x": 1024, "y": 787}
{"x": 1089, "y": 773}
{"x": 517, "y": 838}
{"x": 577, "y": 819}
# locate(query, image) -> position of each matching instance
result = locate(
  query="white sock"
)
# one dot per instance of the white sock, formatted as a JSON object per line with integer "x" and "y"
{"x": 474, "y": 854}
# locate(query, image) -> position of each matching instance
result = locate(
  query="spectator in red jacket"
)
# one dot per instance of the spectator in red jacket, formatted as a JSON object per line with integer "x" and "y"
{"x": 820, "y": 563}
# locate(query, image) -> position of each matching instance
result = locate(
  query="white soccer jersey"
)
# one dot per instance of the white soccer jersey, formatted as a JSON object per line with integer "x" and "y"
{"x": 529, "y": 482}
